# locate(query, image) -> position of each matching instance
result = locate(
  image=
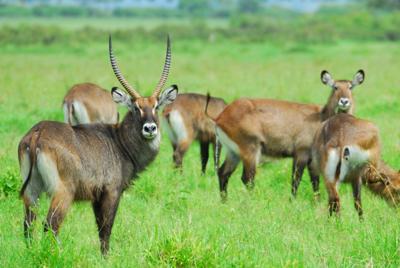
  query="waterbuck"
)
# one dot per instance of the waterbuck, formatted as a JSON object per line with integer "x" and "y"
{"x": 88, "y": 103}
{"x": 347, "y": 149}
{"x": 184, "y": 121}
{"x": 249, "y": 128}
{"x": 94, "y": 162}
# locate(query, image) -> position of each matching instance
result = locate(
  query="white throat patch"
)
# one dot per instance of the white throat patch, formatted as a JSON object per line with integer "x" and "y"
{"x": 155, "y": 143}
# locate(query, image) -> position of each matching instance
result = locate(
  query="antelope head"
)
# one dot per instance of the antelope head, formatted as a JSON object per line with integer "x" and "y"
{"x": 341, "y": 99}
{"x": 144, "y": 108}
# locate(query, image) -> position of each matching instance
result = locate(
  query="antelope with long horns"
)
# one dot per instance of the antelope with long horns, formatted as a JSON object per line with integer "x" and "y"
{"x": 185, "y": 121}
{"x": 88, "y": 103}
{"x": 250, "y": 128}
{"x": 94, "y": 162}
{"x": 347, "y": 149}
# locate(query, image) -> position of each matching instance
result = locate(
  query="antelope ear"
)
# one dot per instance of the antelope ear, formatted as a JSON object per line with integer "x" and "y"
{"x": 358, "y": 78}
{"x": 121, "y": 97}
{"x": 327, "y": 79}
{"x": 167, "y": 96}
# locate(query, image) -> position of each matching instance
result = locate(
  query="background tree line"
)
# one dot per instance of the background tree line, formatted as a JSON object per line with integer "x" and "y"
{"x": 186, "y": 8}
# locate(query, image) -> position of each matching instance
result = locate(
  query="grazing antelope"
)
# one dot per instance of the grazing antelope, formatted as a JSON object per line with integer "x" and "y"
{"x": 249, "y": 128}
{"x": 88, "y": 103}
{"x": 184, "y": 121}
{"x": 347, "y": 149}
{"x": 94, "y": 162}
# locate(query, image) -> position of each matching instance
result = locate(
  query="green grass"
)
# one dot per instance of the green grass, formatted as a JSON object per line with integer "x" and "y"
{"x": 173, "y": 219}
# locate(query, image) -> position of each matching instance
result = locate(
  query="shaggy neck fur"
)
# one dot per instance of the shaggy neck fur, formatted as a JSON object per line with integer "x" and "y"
{"x": 140, "y": 151}
{"x": 383, "y": 181}
{"x": 329, "y": 109}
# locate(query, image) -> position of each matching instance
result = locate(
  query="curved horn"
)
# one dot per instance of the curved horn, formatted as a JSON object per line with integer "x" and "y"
{"x": 118, "y": 73}
{"x": 165, "y": 72}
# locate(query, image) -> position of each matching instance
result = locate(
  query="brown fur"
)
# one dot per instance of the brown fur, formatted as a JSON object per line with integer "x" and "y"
{"x": 344, "y": 131}
{"x": 94, "y": 162}
{"x": 198, "y": 126}
{"x": 384, "y": 182}
{"x": 275, "y": 128}
{"x": 97, "y": 101}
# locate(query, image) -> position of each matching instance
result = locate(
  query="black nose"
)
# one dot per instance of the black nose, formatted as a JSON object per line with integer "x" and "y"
{"x": 149, "y": 128}
{"x": 344, "y": 102}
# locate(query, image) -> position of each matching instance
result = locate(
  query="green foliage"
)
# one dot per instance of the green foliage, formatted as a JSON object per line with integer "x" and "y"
{"x": 146, "y": 13}
{"x": 278, "y": 28}
{"x": 14, "y": 11}
{"x": 384, "y": 4}
{"x": 249, "y": 6}
{"x": 10, "y": 182}
{"x": 195, "y": 7}
{"x": 49, "y": 11}
{"x": 181, "y": 250}
{"x": 186, "y": 9}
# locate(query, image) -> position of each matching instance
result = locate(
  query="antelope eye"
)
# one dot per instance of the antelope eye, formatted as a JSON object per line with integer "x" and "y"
{"x": 335, "y": 87}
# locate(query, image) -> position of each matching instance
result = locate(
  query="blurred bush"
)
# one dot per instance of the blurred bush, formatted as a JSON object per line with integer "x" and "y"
{"x": 10, "y": 183}
{"x": 321, "y": 27}
{"x": 146, "y": 13}
{"x": 48, "y": 11}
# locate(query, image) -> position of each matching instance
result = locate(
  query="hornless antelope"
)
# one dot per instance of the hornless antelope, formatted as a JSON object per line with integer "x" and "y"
{"x": 185, "y": 121}
{"x": 249, "y": 128}
{"x": 347, "y": 149}
{"x": 88, "y": 103}
{"x": 94, "y": 162}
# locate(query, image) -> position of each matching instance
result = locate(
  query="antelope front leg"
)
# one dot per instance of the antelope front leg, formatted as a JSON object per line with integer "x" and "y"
{"x": 204, "y": 153}
{"x": 104, "y": 210}
{"x": 300, "y": 161}
{"x": 314, "y": 177}
{"x": 356, "y": 185}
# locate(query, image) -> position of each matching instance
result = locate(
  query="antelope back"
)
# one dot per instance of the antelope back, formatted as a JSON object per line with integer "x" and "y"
{"x": 344, "y": 145}
{"x": 88, "y": 103}
{"x": 190, "y": 108}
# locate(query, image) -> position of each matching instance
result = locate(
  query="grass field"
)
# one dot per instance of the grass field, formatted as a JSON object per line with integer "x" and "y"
{"x": 176, "y": 219}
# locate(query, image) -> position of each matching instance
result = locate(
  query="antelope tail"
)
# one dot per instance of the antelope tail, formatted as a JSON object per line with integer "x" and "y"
{"x": 217, "y": 144}
{"x": 217, "y": 153}
{"x": 70, "y": 108}
{"x": 32, "y": 159}
{"x": 205, "y": 110}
